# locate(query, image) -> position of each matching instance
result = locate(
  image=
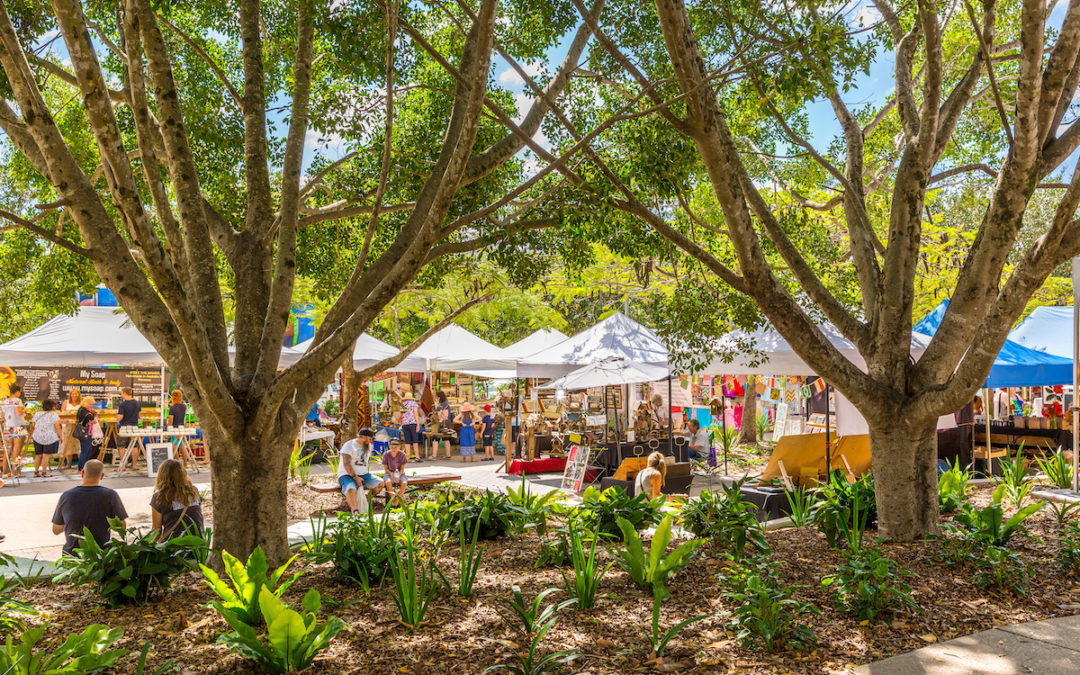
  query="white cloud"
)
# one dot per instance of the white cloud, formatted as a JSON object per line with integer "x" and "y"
{"x": 510, "y": 77}
{"x": 868, "y": 15}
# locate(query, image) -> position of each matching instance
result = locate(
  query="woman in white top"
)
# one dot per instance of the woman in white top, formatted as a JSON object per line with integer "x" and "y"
{"x": 650, "y": 479}
{"x": 69, "y": 446}
{"x": 45, "y": 433}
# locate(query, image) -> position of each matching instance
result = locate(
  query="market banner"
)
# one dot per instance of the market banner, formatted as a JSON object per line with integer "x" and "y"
{"x": 101, "y": 383}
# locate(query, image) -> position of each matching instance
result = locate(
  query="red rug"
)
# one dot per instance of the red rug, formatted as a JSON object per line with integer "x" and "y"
{"x": 543, "y": 465}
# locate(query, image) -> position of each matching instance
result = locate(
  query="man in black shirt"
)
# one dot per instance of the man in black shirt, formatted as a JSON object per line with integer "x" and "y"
{"x": 128, "y": 416}
{"x": 88, "y": 505}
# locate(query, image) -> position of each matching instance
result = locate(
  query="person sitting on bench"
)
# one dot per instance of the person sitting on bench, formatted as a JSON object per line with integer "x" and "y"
{"x": 394, "y": 471}
{"x": 353, "y": 466}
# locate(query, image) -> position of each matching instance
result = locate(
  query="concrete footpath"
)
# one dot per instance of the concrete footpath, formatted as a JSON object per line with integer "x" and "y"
{"x": 1050, "y": 646}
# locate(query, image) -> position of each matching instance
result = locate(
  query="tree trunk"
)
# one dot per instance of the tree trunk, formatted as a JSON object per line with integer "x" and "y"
{"x": 748, "y": 433}
{"x": 349, "y": 387}
{"x": 249, "y": 493}
{"x": 904, "y": 455}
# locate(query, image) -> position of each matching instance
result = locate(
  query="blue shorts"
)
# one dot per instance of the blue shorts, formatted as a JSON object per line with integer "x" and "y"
{"x": 488, "y": 440}
{"x": 370, "y": 481}
{"x": 409, "y": 434}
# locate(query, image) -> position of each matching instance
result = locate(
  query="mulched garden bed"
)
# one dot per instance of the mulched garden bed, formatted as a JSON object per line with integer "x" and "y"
{"x": 611, "y": 637}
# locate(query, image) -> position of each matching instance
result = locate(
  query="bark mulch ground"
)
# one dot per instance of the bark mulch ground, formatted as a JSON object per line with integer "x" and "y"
{"x": 611, "y": 637}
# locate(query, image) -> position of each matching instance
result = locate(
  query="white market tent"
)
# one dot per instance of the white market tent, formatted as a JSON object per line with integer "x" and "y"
{"x": 612, "y": 371}
{"x": 1048, "y": 330}
{"x": 540, "y": 340}
{"x": 368, "y": 351}
{"x": 92, "y": 337}
{"x": 765, "y": 352}
{"x": 617, "y": 336}
{"x": 455, "y": 349}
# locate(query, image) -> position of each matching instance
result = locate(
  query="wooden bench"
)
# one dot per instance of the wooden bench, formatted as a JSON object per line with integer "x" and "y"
{"x": 415, "y": 482}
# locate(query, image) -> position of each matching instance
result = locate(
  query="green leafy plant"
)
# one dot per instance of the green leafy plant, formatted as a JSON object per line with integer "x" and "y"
{"x": 1003, "y": 569}
{"x": 333, "y": 458}
{"x": 801, "y": 503}
{"x": 536, "y": 508}
{"x": 1062, "y": 511}
{"x": 869, "y": 586}
{"x": 836, "y": 509}
{"x": 764, "y": 612}
{"x": 530, "y": 615}
{"x": 1016, "y": 477}
{"x": 1068, "y": 556}
{"x": 535, "y": 624}
{"x": 240, "y": 595}
{"x": 659, "y": 641}
{"x": 588, "y": 572}
{"x": 600, "y": 511}
{"x": 293, "y": 639}
{"x": 468, "y": 561}
{"x": 300, "y": 464}
{"x": 494, "y": 513}
{"x": 762, "y": 426}
{"x": 726, "y": 518}
{"x": 1057, "y": 469}
{"x": 953, "y": 487}
{"x": 85, "y": 652}
{"x": 140, "y": 666}
{"x": 989, "y": 524}
{"x": 12, "y": 611}
{"x": 652, "y": 570}
{"x": 555, "y": 551}
{"x": 360, "y": 547}
{"x": 724, "y": 437}
{"x": 129, "y": 570}
{"x": 414, "y": 580}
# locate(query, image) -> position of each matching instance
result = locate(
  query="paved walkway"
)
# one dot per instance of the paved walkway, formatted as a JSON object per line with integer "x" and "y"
{"x": 1051, "y": 646}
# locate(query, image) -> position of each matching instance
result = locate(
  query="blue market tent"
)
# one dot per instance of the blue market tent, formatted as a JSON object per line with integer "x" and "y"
{"x": 1048, "y": 330}
{"x": 1015, "y": 365}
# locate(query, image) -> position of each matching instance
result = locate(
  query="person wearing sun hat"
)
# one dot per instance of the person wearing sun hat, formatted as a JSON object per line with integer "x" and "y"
{"x": 487, "y": 434}
{"x": 467, "y": 435}
{"x": 410, "y": 421}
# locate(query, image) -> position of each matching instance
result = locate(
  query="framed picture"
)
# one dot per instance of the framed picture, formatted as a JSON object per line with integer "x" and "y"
{"x": 156, "y": 453}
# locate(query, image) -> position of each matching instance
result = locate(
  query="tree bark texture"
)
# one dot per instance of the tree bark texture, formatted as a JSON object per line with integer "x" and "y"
{"x": 748, "y": 432}
{"x": 904, "y": 456}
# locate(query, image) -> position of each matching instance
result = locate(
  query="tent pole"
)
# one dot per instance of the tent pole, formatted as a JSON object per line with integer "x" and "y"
{"x": 161, "y": 399}
{"x": 1076, "y": 383}
{"x": 670, "y": 421}
{"x": 828, "y": 450}
{"x": 986, "y": 407}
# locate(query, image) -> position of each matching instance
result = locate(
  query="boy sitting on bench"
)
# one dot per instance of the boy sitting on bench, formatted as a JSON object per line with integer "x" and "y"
{"x": 353, "y": 466}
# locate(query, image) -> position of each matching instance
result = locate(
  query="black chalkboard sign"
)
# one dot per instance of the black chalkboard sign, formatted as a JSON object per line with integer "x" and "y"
{"x": 156, "y": 453}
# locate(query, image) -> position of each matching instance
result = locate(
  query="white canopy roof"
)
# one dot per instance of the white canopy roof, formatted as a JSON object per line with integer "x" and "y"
{"x": 617, "y": 336}
{"x": 541, "y": 339}
{"x": 92, "y": 337}
{"x": 765, "y": 351}
{"x": 611, "y": 371}
{"x": 455, "y": 349}
{"x": 368, "y": 351}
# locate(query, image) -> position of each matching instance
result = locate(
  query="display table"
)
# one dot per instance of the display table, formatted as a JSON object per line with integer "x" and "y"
{"x": 520, "y": 467}
{"x": 1005, "y": 434}
{"x": 183, "y": 434}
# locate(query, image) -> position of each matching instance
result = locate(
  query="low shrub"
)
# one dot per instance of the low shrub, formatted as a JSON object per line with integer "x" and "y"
{"x": 85, "y": 652}
{"x": 1016, "y": 477}
{"x": 1068, "y": 556}
{"x": 765, "y": 615}
{"x": 360, "y": 547}
{"x": 989, "y": 523}
{"x": 495, "y": 514}
{"x": 600, "y": 511}
{"x": 293, "y": 639}
{"x": 414, "y": 579}
{"x": 12, "y": 611}
{"x": 1000, "y": 568}
{"x": 534, "y": 625}
{"x": 801, "y": 503}
{"x": 240, "y": 594}
{"x": 953, "y": 487}
{"x": 652, "y": 570}
{"x": 134, "y": 565}
{"x": 1057, "y": 469}
{"x": 870, "y": 586}
{"x": 659, "y": 641}
{"x": 726, "y": 518}
{"x": 836, "y": 509}
{"x": 588, "y": 571}
{"x": 536, "y": 508}
{"x": 555, "y": 551}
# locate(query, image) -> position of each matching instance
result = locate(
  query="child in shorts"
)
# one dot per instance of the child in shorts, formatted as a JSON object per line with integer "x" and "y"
{"x": 487, "y": 434}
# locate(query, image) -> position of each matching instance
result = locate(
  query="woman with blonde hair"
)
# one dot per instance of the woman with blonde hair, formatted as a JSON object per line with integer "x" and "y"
{"x": 176, "y": 508}
{"x": 69, "y": 450}
{"x": 84, "y": 421}
{"x": 650, "y": 479}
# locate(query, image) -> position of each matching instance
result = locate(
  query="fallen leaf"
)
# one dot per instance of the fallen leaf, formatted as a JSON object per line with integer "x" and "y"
{"x": 604, "y": 643}
{"x": 928, "y": 637}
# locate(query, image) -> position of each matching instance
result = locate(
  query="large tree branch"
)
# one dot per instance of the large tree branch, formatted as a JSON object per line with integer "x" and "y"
{"x": 209, "y": 60}
{"x": 22, "y": 223}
